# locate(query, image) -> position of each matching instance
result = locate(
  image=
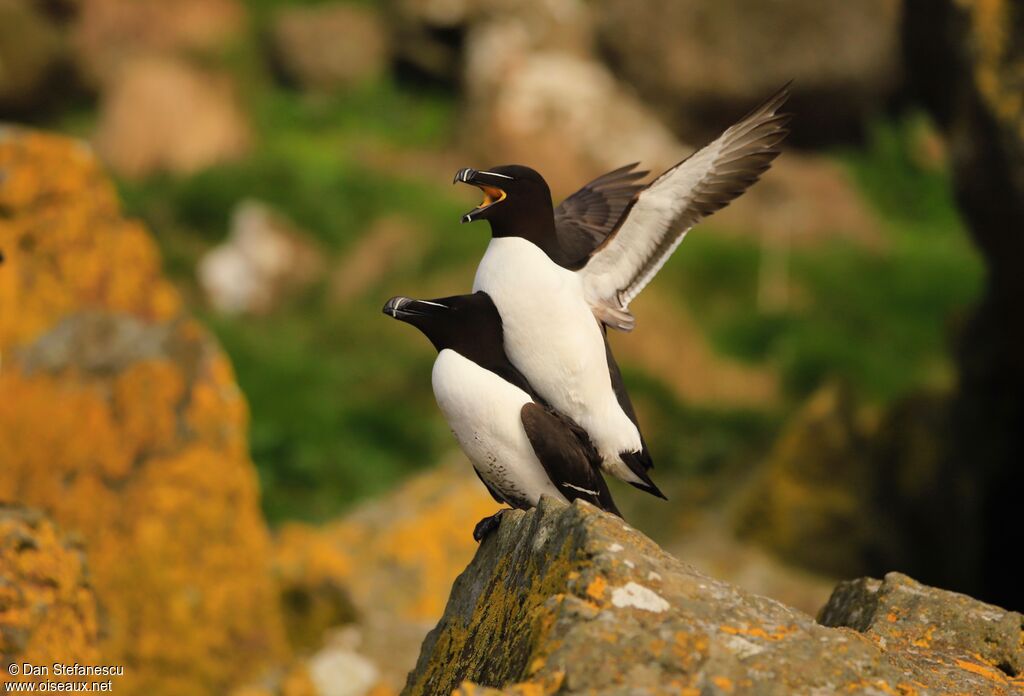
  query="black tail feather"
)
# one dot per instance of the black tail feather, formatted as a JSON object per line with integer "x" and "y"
{"x": 638, "y": 464}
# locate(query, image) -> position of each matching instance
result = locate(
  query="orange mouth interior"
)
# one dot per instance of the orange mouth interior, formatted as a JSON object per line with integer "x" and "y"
{"x": 492, "y": 195}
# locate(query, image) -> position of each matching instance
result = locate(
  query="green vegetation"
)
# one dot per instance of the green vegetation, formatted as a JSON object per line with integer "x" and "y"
{"x": 877, "y": 319}
{"x": 340, "y": 396}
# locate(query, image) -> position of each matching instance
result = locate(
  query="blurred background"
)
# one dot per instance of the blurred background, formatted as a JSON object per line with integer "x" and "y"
{"x": 829, "y": 372}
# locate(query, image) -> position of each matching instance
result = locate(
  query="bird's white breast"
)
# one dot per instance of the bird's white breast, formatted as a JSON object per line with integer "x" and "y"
{"x": 552, "y": 337}
{"x": 483, "y": 411}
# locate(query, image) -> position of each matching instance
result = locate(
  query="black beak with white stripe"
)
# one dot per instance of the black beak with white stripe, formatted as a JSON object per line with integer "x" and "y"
{"x": 492, "y": 184}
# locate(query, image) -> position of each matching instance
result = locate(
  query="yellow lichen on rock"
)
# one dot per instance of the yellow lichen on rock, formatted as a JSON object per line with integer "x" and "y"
{"x": 389, "y": 566}
{"x": 47, "y": 607}
{"x": 420, "y": 533}
{"x": 997, "y": 69}
{"x": 65, "y": 245}
{"x": 121, "y": 419}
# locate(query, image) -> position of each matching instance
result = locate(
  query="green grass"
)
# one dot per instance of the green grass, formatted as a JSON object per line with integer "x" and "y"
{"x": 878, "y": 320}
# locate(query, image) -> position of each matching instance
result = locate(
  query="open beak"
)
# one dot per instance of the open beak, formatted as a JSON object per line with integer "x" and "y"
{"x": 489, "y": 183}
{"x": 406, "y": 308}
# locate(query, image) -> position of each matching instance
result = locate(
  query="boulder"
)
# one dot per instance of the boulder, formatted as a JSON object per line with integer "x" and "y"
{"x": 565, "y": 115}
{"x": 901, "y": 612}
{"x": 264, "y": 260}
{"x": 48, "y": 609}
{"x": 809, "y": 500}
{"x": 701, "y": 64}
{"x": 122, "y": 421}
{"x": 568, "y": 599}
{"x": 330, "y": 46}
{"x": 381, "y": 572}
{"x": 108, "y": 35}
{"x": 31, "y": 49}
{"x": 164, "y": 114}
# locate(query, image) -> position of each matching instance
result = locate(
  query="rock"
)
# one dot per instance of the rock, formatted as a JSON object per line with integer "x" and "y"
{"x": 31, "y": 48}
{"x": 108, "y": 35}
{"x": 427, "y": 35}
{"x": 704, "y": 64}
{"x": 330, "y": 46}
{"x": 536, "y": 94}
{"x": 145, "y": 459}
{"x": 567, "y": 599}
{"x": 567, "y": 116}
{"x": 965, "y": 60}
{"x": 264, "y": 260}
{"x": 384, "y": 569}
{"x": 900, "y": 612}
{"x": 534, "y": 90}
{"x": 54, "y": 198}
{"x": 48, "y": 609}
{"x": 166, "y": 115}
{"x": 810, "y": 500}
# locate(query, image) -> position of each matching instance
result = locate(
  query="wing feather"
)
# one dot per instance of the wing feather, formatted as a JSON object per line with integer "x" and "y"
{"x": 587, "y": 217}
{"x": 659, "y": 217}
{"x": 567, "y": 455}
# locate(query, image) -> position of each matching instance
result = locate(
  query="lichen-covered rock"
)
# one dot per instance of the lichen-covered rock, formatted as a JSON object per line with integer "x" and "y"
{"x": 809, "y": 501}
{"x": 47, "y": 607}
{"x": 966, "y": 58}
{"x": 121, "y": 419}
{"x": 386, "y": 568}
{"x": 65, "y": 243}
{"x": 899, "y": 611}
{"x": 568, "y": 599}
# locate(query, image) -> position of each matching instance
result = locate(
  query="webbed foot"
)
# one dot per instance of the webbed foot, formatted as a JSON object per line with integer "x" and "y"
{"x": 487, "y": 525}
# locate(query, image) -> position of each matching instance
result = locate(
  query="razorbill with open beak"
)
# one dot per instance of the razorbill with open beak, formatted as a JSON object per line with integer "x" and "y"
{"x": 549, "y": 288}
{"x": 520, "y": 448}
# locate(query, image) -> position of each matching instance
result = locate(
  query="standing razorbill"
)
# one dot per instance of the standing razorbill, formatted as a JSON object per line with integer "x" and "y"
{"x": 519, "y": 447}
{"x": 548, "y": 287}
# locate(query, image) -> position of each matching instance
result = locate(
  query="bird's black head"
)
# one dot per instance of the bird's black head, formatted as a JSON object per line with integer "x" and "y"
{"x": 517, "y": 200}
{"x": 468, "y": 324}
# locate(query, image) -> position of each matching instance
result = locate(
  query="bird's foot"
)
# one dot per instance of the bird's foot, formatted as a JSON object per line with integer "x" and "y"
{"x": 487, "y": 525}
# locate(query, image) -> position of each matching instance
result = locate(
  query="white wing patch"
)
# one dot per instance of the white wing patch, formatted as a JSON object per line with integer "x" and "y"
{"x": 666, "y": 210}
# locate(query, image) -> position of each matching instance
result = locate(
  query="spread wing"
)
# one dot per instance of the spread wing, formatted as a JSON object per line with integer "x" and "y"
{"x": 568, "y": 457}
{"x": 587, "y": 217}
{"x": 662, "y": 213}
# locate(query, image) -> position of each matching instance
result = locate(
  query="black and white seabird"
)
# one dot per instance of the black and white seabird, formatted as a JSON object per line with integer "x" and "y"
{"x": 520, "y": 448}
{"x": 550, "y": 271}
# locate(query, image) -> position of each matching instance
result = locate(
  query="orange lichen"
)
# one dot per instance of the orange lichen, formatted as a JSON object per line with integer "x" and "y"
{"x": 723, "y": 683}
{"x": 925, "y": 641}
{"x": 597, "y": 587}
{"x": 144, "y": 459}
{"x": 982, "y": 670}
{"x": 996, "y": 66}
{"x": 65, "y": 245}
{"x": 48, "y": 610}
{"x": 404, "y": 551}
{"x": 778, "y": 633}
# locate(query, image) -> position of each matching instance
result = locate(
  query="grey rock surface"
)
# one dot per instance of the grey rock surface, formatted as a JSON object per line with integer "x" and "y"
{"x": 568, "y": 599}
